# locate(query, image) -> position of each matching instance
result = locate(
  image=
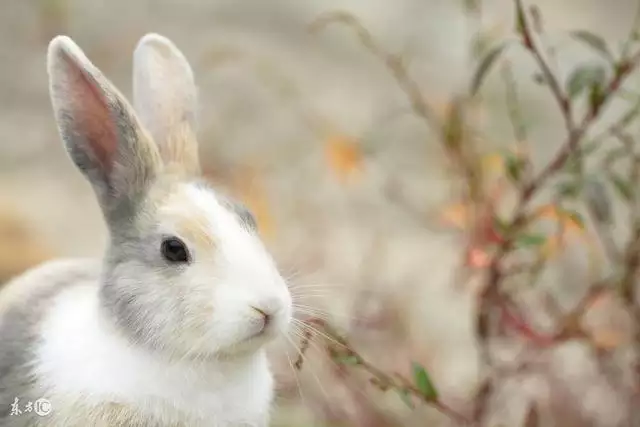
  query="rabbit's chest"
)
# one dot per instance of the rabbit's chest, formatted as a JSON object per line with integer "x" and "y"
{"x": 92, "y": 372}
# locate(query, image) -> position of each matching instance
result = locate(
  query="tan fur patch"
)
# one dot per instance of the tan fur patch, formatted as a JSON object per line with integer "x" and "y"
{"x": 190, "y": 220}
{"x": 180, "y": 150}
{"x": 195, "y": 227}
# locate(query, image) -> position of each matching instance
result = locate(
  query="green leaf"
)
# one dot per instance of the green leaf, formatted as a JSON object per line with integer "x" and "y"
{"x": 589, "y": 148}
{"x": 539, "y": 79}
{"x": 568, "y": 189}
{"x": 348, "y": 359}
{"x": 514, "y": 165}
{"x": 520, "y": 18}
{"x": 528, "y": 240}
{"x": 623, "y": 187}
{"x": 472, "y": 6}
{"x": 573, "y": 165}
{"x": 406, "y": 397}
{"x": 629, "y": 116}
{"x": 576, "y": 218}
{"x": 598, "y": 201}
{"x": 596, "y": 96}
{"x": 485, "y": 66}
{"x": 423, "y": 382}
{"x": 585, "y": 77}
{"x": 593, "y": 41}
{"x": 500, "y": 225}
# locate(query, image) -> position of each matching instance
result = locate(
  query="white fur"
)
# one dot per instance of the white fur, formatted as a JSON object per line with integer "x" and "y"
{"x": 238, "y": 272}
{"x": 83, "y": 359}
{"x": 163, "y": 85}
{"x": 207, "y": 365}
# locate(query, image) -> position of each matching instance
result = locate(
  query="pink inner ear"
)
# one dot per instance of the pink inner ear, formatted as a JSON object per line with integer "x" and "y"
{"x": 91, "y": 117}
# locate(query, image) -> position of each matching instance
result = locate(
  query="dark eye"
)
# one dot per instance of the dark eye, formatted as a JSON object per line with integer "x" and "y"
{"x": 174, "y": 250}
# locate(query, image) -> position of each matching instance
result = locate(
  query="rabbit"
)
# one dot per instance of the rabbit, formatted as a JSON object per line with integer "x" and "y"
{"x": 172, "y": 325}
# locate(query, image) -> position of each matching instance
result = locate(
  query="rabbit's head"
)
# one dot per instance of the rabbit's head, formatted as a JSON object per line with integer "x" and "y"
{"x": 185, "y": 272}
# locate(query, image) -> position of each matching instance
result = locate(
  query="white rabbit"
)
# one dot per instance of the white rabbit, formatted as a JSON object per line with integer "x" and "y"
{"x": 170, "y": 327}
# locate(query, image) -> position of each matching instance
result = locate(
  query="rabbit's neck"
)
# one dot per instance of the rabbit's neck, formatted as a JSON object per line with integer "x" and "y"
{"x": 83, "y": 359}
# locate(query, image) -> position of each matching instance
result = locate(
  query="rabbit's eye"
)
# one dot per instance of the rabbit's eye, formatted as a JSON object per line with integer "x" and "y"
{"x": 174, "y": 250}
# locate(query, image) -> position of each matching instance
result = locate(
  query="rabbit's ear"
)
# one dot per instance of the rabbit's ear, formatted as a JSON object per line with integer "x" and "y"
{"x": 165, "y": 99}
{"x": 99, "y": 128}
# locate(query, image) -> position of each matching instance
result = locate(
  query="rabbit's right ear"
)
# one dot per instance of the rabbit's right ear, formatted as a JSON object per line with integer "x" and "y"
{"x": 165, "y": 98}
{"x": 99, "y": 128}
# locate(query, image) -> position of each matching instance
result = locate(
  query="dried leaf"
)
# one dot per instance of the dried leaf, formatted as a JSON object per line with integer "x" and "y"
{"x": 551, "y": 247}
{"x": 423, "y": 382}
{"x": 607, "y": 338}
{"x": 485, "y": 66}
{"x": 575, "y": 220}
{"x": 570, "y": 220}
{"x": 493, "y": 164}
{"x": 593, "y": 41}
{"x": 344, "y": 156}
{"x": 456, "y": 215}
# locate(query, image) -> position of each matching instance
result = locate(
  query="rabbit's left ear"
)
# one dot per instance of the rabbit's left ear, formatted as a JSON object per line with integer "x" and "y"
{"x": 165, "y": 99}
{"x": 99, "y": 128}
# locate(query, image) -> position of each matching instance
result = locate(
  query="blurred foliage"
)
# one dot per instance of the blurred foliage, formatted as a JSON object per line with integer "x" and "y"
{"x": 512, "y": 241}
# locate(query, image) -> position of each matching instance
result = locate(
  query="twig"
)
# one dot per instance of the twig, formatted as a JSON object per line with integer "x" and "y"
{"x": 393, "y": 63}
{"x": 491, "y": 294}
{"x": 379, "y": 378}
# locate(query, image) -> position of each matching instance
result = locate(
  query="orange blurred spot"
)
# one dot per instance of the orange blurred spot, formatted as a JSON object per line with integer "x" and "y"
{"x": 599, "y": 300}
{"x": 441, "y": 106}
{"x": 456, "y": 215}
{"x": 551, "y": 247}
{"x": 607, "y": 339}
{"x": 343, "y": 156}
{"x": 493, "y": 164}
{"x": 565, "y": 218}
{"x": 478, "y": 258}
{"x": 254, "y": 196}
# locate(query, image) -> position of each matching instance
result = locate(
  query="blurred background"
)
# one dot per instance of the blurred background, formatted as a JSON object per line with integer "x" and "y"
{"x": 314, "y": 133}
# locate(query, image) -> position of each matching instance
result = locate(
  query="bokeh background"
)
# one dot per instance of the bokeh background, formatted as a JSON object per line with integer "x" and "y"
{"x": 314, "y": 134}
